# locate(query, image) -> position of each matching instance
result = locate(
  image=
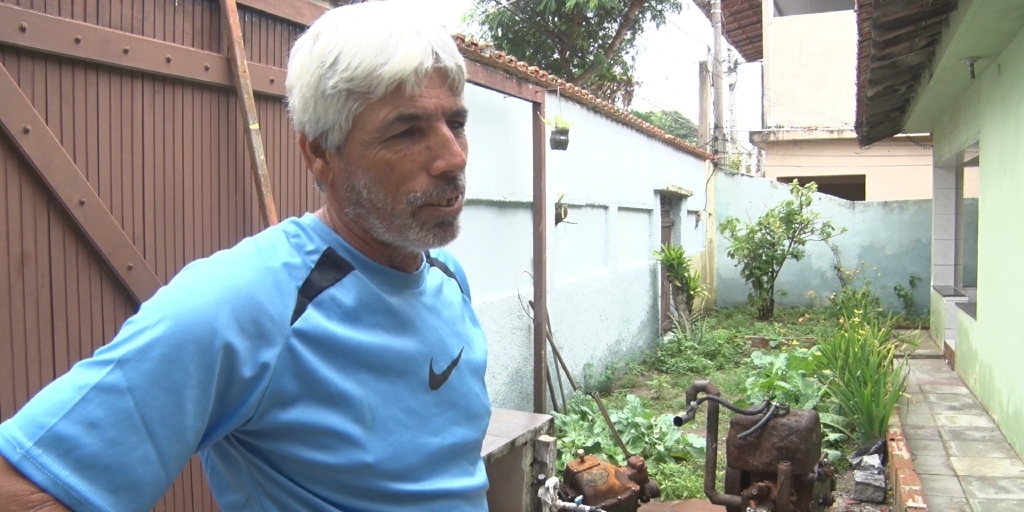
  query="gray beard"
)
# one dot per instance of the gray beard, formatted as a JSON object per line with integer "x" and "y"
{"x": 395, "y": 225}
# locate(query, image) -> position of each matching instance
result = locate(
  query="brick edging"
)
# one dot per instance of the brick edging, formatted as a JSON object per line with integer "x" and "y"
{"x": 908, "y": 494}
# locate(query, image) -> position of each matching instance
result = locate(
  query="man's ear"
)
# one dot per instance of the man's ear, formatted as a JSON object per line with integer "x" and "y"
{"x": 317, "y": 158}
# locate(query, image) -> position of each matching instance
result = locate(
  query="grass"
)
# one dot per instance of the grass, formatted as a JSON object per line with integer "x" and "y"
{"x": 718, "y": 350}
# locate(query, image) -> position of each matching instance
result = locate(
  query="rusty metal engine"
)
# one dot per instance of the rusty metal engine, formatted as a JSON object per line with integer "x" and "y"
{"x": 774, "y": 461}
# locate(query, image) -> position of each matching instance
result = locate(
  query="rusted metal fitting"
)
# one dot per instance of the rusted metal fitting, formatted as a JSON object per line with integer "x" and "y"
{"x": 26, "y": 129}
{"x": 125, "y": 50}
{"x": 23, "y": 26}
{"x": 78, "y": 39}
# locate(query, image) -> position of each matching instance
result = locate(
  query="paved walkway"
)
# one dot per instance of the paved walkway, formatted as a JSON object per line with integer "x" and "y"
{"x": 963, "y": 460}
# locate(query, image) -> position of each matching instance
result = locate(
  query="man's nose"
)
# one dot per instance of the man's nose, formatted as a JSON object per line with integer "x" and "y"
{"x": 450, "y": 152}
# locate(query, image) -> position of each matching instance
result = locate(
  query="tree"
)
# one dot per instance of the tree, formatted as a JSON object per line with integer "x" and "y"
{"x": 672, "y": 122}
{"x": 780, "y": 234}
{"x": 589, "y": 43}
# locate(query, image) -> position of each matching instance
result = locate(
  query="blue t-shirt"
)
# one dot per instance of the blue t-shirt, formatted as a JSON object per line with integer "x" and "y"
{"x": 306, "y": 375}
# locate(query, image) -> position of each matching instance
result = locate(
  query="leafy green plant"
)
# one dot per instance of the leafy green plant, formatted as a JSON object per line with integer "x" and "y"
{"x": 906, "y": 295}
{"x": 787, "y": 377}
{"x": 700, "y": 351}
{"x": 780, "y": 234}
{"x": 557, "y": 122}
{"x": 652, "y": 436}
{"x": 684, "y": 279}
{"x": 864, "y": 375}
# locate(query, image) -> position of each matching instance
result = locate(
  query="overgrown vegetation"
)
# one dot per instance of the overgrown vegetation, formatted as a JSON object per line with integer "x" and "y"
{"x": 684, "y": 280}
{"x": 839, "y": 358}
{"x": 780, "y": 234}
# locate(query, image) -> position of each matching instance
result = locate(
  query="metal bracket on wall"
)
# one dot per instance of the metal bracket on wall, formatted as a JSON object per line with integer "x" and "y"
{"x": 47, "y": 157}
{"x": 247, "y": 100}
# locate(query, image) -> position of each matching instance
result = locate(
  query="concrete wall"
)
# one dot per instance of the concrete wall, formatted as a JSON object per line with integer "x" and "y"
{"x": 603, "y": 282}
{"x": 810, "y": 64}
{"x": 892, "y": 239}
{"x": 992, "y": 113}
{"x": 895, "y": 169}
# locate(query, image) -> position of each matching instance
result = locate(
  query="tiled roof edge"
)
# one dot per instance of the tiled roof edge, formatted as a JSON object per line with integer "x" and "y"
{"x": 475, "y": 51}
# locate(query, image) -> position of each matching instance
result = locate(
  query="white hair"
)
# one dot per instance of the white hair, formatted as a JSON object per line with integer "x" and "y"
{"x": 358, "y": 53}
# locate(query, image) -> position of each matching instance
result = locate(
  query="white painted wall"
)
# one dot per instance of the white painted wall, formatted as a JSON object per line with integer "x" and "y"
{"x": 602, "y": 280}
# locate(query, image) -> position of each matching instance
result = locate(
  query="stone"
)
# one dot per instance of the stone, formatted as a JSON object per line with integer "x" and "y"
{"x": 869, "y": 486}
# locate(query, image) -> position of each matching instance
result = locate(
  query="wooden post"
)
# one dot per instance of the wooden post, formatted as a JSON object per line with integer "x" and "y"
{"x": 247, "y": 100}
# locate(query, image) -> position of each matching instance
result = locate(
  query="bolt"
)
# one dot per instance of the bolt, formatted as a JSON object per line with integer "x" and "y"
{"x": 23, "y": 26}
{"x": 124, "y": 50}
{"x": 26, "y": 128}
{"x": 272, "y": 79}
{"x": 78, "y": 39}
{"x": 131, "y": 266}
{"x": 168, "y": 58}
{"x": 81, "y": 201}
{"x": 206, "y": 67}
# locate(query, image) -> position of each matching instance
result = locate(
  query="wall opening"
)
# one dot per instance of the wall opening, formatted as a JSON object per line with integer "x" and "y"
{"x": 797, "y": 7}
{"x": 852, "y": 187}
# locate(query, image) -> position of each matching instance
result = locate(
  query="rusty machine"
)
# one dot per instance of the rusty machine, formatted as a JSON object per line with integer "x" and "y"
{"x": 595, "y": 485}
{"x": 774, "y": 461}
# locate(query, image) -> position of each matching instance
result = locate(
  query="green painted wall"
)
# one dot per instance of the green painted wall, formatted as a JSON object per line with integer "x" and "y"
{"x": 991, "y": 355}
{"x": 937, "y": 317}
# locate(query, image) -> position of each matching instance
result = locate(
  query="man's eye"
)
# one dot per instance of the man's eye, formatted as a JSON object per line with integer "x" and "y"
{"x": 405, "y": 134}
{"x": 457, "y": 126}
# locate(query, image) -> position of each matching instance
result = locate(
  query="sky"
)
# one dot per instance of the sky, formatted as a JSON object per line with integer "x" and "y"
{"x": 667, "y": 64}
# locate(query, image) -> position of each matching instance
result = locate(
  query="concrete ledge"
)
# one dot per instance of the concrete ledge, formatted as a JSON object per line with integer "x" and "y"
{"x": 908, "y": 494}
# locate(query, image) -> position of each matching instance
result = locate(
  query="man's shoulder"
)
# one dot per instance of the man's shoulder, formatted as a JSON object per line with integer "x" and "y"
{"x": 257, "y": 278}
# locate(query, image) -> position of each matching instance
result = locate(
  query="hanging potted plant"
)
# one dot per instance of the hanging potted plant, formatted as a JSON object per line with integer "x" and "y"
{"x": 559, "y": 132}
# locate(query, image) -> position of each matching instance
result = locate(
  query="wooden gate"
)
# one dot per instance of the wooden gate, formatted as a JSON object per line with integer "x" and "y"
{"x": 667, "y": 223}
{"x": 122, "y": 158}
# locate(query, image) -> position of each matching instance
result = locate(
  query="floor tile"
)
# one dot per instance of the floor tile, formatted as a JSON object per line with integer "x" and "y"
{"x": 992, "y": 487}
{"x": 935, "y": 388}
{"x": 926, "y": 447}
{"x": 918, "y": 420}
{"x": 997, "y": 505}
{"x": 963, "y": 420}
{"x": 988, "y": 466}
{"x": 997, "y": 448}
{"x": 933, "y": 465}
{"x": 940, "y": 485}
{"x": 971, "y": 433}
{"x": 921, "y": 433}
{"x": 947, "y": 504}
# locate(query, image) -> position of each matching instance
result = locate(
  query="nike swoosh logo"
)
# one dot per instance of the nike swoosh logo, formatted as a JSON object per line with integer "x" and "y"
{"x": 436, "y": 380}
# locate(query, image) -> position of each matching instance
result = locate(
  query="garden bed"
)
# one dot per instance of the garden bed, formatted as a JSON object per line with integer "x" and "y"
{"x": 651, "y": 390}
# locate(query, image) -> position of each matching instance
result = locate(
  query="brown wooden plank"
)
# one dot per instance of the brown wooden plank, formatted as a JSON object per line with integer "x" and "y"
{"x": 38, "y": 338}
{"x": 160, "y": 174}
{"x": 55, "y": 231}
{"x": 178, "y": 178}
{"x": 8, "y": 167}
{"x": 302, "y": 13}
{"x": 178, "y": 8}
{"x": 16, "y": 262}
{"x": 191, "y": 227}
{"x": 106, "y": 46}
{"x": 206, "y": 183}
{"x": 58, "y": 170}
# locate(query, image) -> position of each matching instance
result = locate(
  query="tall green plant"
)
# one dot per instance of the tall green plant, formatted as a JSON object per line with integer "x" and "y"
{"x": 684, "y": 280}
{"x": 762, "y": 247}
{"x": 864, "y": 374}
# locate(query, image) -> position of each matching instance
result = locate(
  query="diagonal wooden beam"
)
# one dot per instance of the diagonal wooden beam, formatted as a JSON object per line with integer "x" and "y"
{"x": 247, "y": 102}
{"x": 38, "y": 32}
{"x": 46, "y": 156}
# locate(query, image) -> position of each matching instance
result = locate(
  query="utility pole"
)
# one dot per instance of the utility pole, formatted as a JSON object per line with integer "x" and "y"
{"x": 704, "y": 109}
{"x": 721, "y": 156}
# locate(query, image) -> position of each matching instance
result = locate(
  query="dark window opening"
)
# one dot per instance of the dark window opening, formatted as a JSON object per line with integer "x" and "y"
{"x": 851, "y": 187}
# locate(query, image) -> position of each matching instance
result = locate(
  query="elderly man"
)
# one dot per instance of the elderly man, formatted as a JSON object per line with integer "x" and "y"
{"x": 332, "y": 362}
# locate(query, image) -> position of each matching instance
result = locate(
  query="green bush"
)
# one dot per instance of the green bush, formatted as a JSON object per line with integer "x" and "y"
{"x": 864, "y": 375}
{"x": 652, "y": 436}
{"x": 702, "y": 351}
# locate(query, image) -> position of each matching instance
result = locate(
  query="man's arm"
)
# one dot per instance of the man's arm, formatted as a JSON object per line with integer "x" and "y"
{"x": 17, "y": 493}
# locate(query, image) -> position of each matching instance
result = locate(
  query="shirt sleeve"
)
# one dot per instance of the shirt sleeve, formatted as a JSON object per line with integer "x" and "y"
{"x": 117, "y": 429}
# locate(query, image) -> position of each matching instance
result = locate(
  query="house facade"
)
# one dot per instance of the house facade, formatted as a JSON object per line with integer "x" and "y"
{"x": 808, "y": 51}
{"x": 954, "y": 69}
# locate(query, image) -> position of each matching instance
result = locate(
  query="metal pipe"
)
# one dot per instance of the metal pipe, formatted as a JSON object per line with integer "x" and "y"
{"x": 711, "y": 440}
{"x": 785, "y": 483}
{"x": 760, "y": 423}
{"x": 540, "y": 249}
{"x": 611, "y": 426}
